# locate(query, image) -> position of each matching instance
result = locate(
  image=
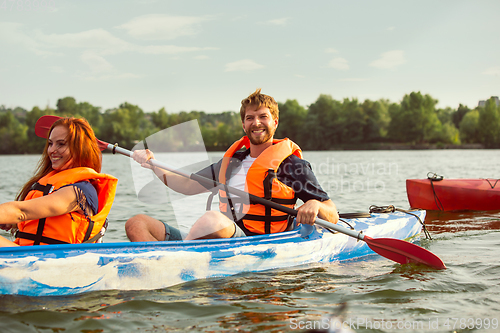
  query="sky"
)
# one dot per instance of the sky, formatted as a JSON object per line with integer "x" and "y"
{"x": 208, "y": 55}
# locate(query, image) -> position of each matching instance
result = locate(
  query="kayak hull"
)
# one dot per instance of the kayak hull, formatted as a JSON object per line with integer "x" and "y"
{"x": 453, "y": 194}
{"x": 54, "y": 270}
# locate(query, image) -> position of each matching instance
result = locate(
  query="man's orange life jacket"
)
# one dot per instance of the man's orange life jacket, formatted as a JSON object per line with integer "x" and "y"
{"x": 72, "y": 227}
{"x": 261, "y": 181}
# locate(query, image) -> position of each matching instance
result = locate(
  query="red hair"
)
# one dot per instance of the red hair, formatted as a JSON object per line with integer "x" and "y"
{"x": 82, "y": 145}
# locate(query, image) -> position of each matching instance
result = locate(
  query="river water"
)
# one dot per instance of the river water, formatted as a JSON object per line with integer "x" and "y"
{"x": 380, "y": 296}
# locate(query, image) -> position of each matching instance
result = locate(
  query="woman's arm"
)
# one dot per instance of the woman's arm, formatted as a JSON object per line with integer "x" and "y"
{"x": 58, "y": 203}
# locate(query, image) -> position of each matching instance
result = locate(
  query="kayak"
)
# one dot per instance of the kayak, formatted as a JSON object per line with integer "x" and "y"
{"x": 453, "y": 194}
{"x": 67, "y": 269}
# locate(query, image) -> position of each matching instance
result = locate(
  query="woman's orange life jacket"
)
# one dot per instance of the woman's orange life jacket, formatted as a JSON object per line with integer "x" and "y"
{"x": 261, "y": 181}
{"x": 72, "y": 227}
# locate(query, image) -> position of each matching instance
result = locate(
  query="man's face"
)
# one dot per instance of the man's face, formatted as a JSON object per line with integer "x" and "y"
{"x": 259, "y": 125}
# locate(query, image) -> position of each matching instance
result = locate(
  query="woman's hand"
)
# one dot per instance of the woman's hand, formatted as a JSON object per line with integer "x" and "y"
{"x": 6, "y": 227}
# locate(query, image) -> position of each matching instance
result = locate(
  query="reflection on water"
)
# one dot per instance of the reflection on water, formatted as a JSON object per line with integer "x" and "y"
{"x": 439, "y": 222}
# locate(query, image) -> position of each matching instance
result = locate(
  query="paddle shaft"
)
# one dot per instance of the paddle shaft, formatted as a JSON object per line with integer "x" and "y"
{"x": 210, "y": 182}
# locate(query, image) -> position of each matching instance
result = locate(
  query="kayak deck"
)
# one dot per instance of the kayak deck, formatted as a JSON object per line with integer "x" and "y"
{"x": 454, "y": 194}
{"x": 76, "y": 268}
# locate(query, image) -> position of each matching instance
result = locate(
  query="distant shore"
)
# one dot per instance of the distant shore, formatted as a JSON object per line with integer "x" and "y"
{"x": 405, "y": 146}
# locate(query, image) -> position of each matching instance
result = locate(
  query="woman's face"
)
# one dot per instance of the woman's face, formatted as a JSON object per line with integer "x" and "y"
{"x": 58, "y": 149}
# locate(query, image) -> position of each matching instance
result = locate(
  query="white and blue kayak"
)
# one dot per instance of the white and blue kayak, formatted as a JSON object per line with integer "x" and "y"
{"x": 50, "y": 270}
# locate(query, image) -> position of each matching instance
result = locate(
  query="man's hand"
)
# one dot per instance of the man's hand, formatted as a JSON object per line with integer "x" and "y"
{"x": 326, "y": 210}
{"x": 308, "y": 211}
{"x": 142, "y": 157}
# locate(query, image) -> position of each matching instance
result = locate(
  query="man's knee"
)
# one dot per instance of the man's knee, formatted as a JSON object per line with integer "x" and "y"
{"x": 212, "y": 224}
{"x": 144, "y": 228}
{"x": 135, "y": 222}
{"x": 212, "y": 218}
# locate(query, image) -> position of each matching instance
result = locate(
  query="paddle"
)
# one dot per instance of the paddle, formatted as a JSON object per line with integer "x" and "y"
{"x": 394, "y": 249}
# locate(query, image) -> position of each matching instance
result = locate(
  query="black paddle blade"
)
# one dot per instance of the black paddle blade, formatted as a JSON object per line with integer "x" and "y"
{"x": 403, "y": 252}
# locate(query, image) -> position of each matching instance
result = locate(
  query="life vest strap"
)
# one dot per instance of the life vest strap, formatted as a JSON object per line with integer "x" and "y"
{"x": 231, "y": 205}
{"x": 41, "y": 239}
{"x": 252, "y": 202}
{"x": 45, "y": 189}
{"x": 290, "y": 202}
{"x": 89, "y": 229}
{"x": 268, "y": 195}
{"x": 275, "y": 218}
{"x": 99, "y": 235}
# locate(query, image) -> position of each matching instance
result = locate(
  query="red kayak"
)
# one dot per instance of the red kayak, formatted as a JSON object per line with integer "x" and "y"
{"x": 436, "y": 193}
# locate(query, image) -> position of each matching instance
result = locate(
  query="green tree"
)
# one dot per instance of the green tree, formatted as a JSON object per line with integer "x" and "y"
{"x": 220, "y": 130}
{"x": 352, "y": 122}
{"x": 445, "y": 115}
{"x": 160, "y": 119}
{"x": 415, "y": 120}
{"x": 13, "y": 135}
{"x": 126, "y": 125}
{"x": 444, "y": 133}
{"x": 377, "y": 120}
{"x": 291, "y": 121}
{"x": 35, "y": 144}
{"x": 92, "y": 114}
{"x": 459, "y": 114}
{"x": 489, "y": 124}
{"x": 67, "y": 106}
{"x": 469, "y": 127}
{"x": 323, "y": 127}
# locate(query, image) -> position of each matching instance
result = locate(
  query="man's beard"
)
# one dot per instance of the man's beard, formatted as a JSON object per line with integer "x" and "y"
{"x": 269, "y": 133}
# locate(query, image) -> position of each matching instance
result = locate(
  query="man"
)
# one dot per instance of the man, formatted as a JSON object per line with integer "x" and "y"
{"x": 268, "y": 168}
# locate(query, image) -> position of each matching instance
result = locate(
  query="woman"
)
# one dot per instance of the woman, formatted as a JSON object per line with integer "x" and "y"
{"x": 67, "y": 200}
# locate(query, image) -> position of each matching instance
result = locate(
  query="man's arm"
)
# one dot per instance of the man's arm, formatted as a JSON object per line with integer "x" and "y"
{"x": 176, "y": 182}
{"x": 298, "y": 174}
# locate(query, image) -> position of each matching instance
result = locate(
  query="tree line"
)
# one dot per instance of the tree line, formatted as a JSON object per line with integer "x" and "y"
{"x": 325, "y": 124}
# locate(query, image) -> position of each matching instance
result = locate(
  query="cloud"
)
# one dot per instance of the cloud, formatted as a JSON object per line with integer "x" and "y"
{"x": 94, "y": 45}
{"x": 11, "y": 32}
{"x": 339, "y": 63}
{"x": 389, "y": 60}
{"x": 96, "y": 63}
{"x": 353, "y": 80}
{"x": 168, "y": 49}
{"x": 95, "y": 41}
{"x": 100, "y": 69}
{"x": 161, "y": 27}
{"x": 56, "y": 69}
{"x": 98, "y": 40}
{"x": 105, "y": 77}
{"x": 245, "y": 65}
{"x": 492, "y": 71}
{"x": 331, "y": 50}
{"x": 278, "y": 22}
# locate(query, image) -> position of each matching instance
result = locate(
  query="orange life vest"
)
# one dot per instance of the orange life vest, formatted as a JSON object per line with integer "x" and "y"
{"x": 72, "y": 227}
{"x": 261, "y": 181}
